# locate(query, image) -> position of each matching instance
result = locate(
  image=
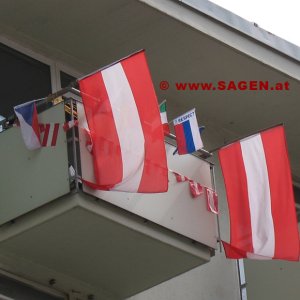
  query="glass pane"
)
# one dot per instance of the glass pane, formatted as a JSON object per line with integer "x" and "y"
{"x": 66, "y": 79}
{"x": 22, "y": 79}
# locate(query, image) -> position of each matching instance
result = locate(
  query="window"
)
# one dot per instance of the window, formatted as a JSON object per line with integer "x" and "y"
{"x": 66, "y": 79}
{"x": 22, "y": 79}
{"x": 297, "y": 199}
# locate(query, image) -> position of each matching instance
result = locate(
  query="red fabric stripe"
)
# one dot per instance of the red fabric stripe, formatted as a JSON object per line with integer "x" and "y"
{"x": 237, "y": 196}
{"x": 95, "y": 186}
{"x": 66, "y": 126}
{"x": 46, "y": 134}
{"x": 155, "y": 172}
{"x": 180, "y": 178}
{"x": 180, "y": 138}
{"x": 232, "y": 252}
{"x": 55, "y": 133}
{"x": 166, "y": 128}
{"x": 282, "y": 196}
{"x": 106, "y": 147}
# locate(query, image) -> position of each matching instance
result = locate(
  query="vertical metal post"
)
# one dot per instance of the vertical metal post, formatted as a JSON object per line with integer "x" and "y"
{"x": 74, "y": 148}
{"x": 214, "y": 187}
{"x": 242, "y": 278}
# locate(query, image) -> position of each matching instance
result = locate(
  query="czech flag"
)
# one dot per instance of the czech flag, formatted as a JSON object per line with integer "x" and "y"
{"x": 28, "y": 118}
{"x": 187, "y": 133}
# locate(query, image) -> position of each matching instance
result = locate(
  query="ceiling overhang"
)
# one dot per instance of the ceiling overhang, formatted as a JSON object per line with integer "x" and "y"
{"x": 183, "y": 44}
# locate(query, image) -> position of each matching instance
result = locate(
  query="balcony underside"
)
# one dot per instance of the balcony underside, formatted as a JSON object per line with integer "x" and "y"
{"x": 94, "y": 247}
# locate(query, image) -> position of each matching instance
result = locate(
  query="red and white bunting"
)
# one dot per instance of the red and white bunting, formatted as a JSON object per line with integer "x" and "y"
{"x": 212, "y": 201}
{"x": 180, "y": 178}
{"x": 195, "y": 187}
{"x": 70, "y": 124}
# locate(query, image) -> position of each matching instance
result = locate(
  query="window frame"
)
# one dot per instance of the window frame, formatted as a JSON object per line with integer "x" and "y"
{"x": 55, "y": 66}
{"x": 33, "y": 285}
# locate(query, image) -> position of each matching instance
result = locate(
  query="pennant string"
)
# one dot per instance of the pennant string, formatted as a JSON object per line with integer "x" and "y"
{"x": 197, "y": 189}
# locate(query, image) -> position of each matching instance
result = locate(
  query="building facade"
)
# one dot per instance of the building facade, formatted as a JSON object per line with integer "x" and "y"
{"x": 58, "y": 243}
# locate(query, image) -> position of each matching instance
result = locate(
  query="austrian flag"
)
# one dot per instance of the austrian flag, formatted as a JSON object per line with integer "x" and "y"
{"x": 124, "y": 122}
{"x": 257, "y": 175}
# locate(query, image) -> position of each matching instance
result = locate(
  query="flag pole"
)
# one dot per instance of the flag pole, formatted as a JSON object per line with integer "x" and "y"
{"x": 161, "y": 103}
{"x": 74, "y": 148}
{"x": 109, "y": 65}
{"x": 214, "y": 185}
{"x": 71, "y": 86}
{"x": 244, "y": 137}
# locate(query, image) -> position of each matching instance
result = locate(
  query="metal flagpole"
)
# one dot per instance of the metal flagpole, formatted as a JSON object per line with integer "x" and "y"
{"x": 244, "y": 137}
{"x": 74, "y": 147}
{"x": 218, "y": 221}
{"x": 58, "y": 93}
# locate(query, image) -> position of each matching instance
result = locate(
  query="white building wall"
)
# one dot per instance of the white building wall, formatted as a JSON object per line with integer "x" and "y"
{"x": 219, "y": 278}
{"x": 216, "y": 280}
{"x": 274, "y": 280}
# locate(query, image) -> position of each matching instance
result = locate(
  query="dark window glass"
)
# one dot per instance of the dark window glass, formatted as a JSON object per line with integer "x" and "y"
{"x": 16, "y": 290}
{"x": 22, "y": 79}
{"x": 66, "y": 79}
{"x": 297, "y": 199}
{"x": 297, "y": 194}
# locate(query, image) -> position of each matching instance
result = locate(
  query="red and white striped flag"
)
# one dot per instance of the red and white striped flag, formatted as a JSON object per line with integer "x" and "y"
{"x": 123, "y": 117}
{"x": 196, "y": 188}
{"x": 48, "y": 134}
{"x": 212, "y": 201}
{"x": 260, "y": 197}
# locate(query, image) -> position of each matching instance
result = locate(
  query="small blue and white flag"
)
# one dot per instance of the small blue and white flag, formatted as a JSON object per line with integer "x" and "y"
{"x": 187, "y": 133}
{"x": 28, "y": 118}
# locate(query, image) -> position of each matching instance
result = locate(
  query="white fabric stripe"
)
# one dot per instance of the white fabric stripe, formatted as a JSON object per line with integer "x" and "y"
{"x": 71, "y": 123}
{"x": 50, "y": 135}
{"x": 262, "y": 226}
{"x": 211, "y": 201}
{"x": 163, "y": 117}
{"x": 30, "y": 138}
{"x": 131, "y": 136}
{"x": 196, "y": 187}
{"x": 196, "y": 134}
